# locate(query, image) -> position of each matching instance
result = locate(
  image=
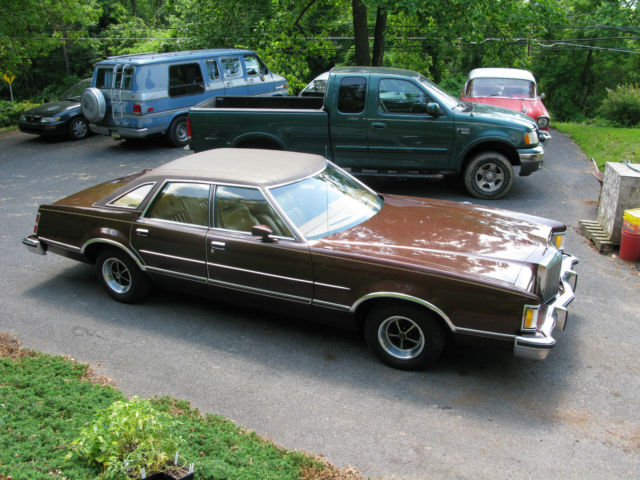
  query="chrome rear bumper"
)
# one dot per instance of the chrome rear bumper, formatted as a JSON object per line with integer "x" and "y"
{"x": 537, "y": 345}
{"x": 33, "y": 245}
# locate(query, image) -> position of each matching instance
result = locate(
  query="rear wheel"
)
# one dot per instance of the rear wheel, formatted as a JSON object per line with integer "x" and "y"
{"x": 489, "y": 175}
{"x": 404, "y": 336}
{"x": 121, "y": 277}
{"x": 178, "y": 134}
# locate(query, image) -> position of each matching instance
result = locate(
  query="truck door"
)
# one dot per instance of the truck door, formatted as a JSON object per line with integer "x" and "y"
{"x": 259, "y": 81}
{"x": 400, "y": 132}
{"x": 233, "y": 76}
{"x": 348, "y": 123}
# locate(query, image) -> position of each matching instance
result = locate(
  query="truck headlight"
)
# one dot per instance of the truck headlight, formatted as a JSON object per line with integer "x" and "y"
{"x": 531, "y": 138}
{"x": 530, "y": 318}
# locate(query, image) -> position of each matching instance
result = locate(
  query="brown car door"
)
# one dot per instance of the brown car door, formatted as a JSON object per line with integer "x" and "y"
{"x": 279, "y": 269}
{"x": 171, "y": 236}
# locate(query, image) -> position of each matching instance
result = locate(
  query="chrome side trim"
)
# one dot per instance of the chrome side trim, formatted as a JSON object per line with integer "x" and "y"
{"x": 130, "y": 252}
{"x": 334, "y": 306}
{"x": 267, "y": 293}
{"x": 183, "y": 259}
{"x": 254, "y": 272}
{"x": 410, "y": 298}
{"x": 484, "y": 333}
{"x": 337, "y": 287}
{"x": 66, "y": 246}
{"x": 173, "y": 273}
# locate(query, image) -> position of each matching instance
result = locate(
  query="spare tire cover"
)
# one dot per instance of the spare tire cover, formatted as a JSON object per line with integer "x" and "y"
{"x": 93, "y": 104}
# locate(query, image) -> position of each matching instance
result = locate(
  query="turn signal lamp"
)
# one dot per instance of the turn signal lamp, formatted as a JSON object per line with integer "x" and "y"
{"x": 530, "y": 317}
{"x": 557, "y": 239}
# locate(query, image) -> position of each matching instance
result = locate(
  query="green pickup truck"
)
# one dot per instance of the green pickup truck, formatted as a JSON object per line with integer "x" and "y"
{"x": 381, "y": 122}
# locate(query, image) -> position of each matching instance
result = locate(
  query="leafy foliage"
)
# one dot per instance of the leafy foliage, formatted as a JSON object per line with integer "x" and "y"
{"x": 622, "y": 106}
{"x": 129, "y": 437}
{"x": 10, "y": 112}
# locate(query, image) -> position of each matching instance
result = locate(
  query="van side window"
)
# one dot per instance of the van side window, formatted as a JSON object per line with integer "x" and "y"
{"x": 104, "y": 79}
{"x": 185, "y": 79}
{"x": 254, "y": 65}
{"x": 212, "y": 70}
{"x": 231, "y": 67}
{"x": 352, "y": 94}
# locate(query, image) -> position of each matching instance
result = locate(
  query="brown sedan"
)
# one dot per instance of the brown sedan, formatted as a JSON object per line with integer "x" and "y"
{"x": 293, "y": 233}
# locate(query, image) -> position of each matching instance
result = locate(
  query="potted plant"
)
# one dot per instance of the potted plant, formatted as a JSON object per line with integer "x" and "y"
{"x": 132, "y": 439}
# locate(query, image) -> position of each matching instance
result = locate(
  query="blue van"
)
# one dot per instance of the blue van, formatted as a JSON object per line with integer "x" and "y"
{"x": 141, "y": 95}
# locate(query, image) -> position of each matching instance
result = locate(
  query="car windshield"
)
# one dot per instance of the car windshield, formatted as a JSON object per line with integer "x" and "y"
{"x": 75, "y": 92}
{"x": 327, "y": 203}
{"x": 501, "y": 87}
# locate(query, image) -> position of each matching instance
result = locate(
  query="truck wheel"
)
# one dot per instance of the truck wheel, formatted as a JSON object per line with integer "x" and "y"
{"x": 178, "y": 132}
{"x": 121, "y": 277}
{"x": 489, "y": 175}
{"x": 404, "y": 336}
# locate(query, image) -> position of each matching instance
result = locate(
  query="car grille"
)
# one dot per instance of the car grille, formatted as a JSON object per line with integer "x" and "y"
{"x": 549, "y": 277}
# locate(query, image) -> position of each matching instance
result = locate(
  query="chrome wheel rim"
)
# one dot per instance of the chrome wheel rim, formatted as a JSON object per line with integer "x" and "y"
{"x": 116, "y": 275}
{"x": 489, "y": 177}
{"x": 401, "y": 337}
{"x": 182, "y": 132}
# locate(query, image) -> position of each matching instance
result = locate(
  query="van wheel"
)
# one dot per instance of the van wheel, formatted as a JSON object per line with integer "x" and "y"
{"x": 178, "y": 132}
{"x": 489, "y": 175}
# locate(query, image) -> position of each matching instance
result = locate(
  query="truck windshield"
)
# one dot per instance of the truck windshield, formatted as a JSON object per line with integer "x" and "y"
{"x": 443, "y": 96}
{"x": 326, "y": 203}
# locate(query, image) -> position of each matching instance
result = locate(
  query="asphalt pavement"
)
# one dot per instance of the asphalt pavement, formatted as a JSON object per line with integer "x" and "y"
{"x": 478, "y": 414}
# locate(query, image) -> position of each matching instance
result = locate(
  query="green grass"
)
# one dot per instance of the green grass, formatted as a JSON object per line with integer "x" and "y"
{"x": 45, "y": 401}
{"x": 604, "y": 144}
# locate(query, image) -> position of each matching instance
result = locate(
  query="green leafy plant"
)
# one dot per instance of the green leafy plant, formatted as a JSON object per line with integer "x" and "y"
{"x": 622, "y": 106}
{"x": 10, "y": 112}
{"x": 129, "y": 437}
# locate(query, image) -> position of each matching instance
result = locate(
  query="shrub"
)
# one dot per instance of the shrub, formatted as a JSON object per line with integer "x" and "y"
{"x": 622, "y": 106}
{"x": 10, "y": 112}
{"x": 127, "y": 437}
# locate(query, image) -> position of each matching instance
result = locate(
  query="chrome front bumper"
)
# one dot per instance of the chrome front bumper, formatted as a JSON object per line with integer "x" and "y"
{"x": 33, "y": 245}
{"x": 536, "y": 346}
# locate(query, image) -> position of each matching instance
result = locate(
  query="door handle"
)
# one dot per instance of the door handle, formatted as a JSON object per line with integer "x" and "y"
{"x": 378, "y": 125}
{"x": 142, "y": 232}
{"x": 215, "y": 245}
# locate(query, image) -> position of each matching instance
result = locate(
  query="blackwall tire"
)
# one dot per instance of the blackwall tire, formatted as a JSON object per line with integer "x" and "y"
{"x": 404, "y": 335}
{"x": 178, "y": 135}
{"x": 121, "y": 276}
{"x": 489, "y": 175}
{"x": 78, "y": 128}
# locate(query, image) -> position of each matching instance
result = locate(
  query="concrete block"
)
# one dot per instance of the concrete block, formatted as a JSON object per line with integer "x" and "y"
{"x": 620, "y": 192}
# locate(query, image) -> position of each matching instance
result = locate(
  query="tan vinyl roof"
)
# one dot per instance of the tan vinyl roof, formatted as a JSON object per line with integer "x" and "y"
{"x": 243, "y": 166}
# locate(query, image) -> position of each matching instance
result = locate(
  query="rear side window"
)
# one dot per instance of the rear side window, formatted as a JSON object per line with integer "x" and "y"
{"x": 133, "y": 198}
{"x": 123, "y": 77}
{"x": 185, "y": 79}
{"x": 231, "y": 67}
{"x": 183, "y": 203}
{"x": 212, "y": 70}
{"x": 352, "y": 94}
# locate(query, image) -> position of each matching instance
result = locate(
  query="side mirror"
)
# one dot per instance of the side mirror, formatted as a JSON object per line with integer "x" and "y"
{"x": 542, "y": 96}
{"x": 264, "y": 232}
{"x": 433, "y": 109}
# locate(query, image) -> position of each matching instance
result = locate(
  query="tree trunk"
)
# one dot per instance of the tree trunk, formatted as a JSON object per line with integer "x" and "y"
{"x": 379, "y": 37}
{"x": 360, "y": 33}
{"x": 65, "y": 55}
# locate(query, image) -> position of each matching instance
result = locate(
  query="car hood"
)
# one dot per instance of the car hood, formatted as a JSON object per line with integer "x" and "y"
{"x": 52, "y": 108}
{"x": 529, "y": 106}
{"x": 480, "y": 243}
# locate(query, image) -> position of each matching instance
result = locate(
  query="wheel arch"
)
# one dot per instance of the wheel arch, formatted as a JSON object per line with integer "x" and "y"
{"x": 92, "y": 248}
{"x": 494, "y": 146}
{"x": 259, "y": 140}
{"x": 366, "y": 303}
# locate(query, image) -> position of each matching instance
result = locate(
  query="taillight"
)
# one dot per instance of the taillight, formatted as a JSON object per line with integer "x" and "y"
{"x": 137, "y": 108}
{"x": 35, "y": 227}
{"x": 189, "y": 127}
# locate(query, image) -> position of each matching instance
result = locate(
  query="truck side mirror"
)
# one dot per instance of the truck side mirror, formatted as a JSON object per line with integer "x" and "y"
{"x": 433, "y": 109}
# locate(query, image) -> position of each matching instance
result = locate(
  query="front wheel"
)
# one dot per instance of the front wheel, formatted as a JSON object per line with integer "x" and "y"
{"x": 404, "y": 336}
{"x": 121, "y": 277}
{"x": 78, "y": 128}
{"x": 489, "y": 175}
{"x": 178, "y": 134}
